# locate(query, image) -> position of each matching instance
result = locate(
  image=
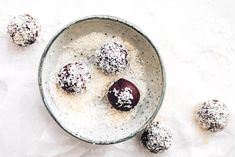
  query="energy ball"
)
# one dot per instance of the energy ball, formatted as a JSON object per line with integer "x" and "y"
{"x": 212, "y": 115}
{"x": 23, "y": 30}
{"x": 111, "y": 58}
{"x": 74, "y": 77}
{"x": 156, "y": 137}
{"x": 123, "y": 95}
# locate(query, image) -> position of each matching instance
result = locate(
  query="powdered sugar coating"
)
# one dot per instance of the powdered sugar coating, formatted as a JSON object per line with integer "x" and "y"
{"x": 212, "y": 115}
{"x": 157, "y": 137}
{"x": 23, "y": 29}
{"x": 111, "y": 58}
{"x": 74, "y": 77}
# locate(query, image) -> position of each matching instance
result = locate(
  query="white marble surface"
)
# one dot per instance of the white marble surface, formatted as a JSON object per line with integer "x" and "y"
{"x": 196, "y": 39}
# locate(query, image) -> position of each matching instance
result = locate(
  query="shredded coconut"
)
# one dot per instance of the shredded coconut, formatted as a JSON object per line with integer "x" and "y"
{"x": 124, "y": 97}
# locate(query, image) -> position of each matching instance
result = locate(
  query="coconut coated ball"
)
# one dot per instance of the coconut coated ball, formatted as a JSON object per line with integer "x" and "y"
{"x": 156, "y": 137}
{"x": 23, "y": 30}
{"x": 74, "y": 77}
{"x": 212, "y": 115}
{"x": 111, "y": 58}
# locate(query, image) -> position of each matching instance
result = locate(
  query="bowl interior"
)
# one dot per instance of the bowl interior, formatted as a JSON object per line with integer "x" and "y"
{"x": 98, "y": 122}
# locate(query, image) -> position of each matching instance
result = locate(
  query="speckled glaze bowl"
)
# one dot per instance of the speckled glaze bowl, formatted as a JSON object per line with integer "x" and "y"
{"x": 153, "y": 70}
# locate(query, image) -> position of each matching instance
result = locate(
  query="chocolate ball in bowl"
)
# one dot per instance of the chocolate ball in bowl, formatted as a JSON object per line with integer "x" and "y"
{"x": 123, "y": 95}
{"x": 111, "y": 58}
{"x": 74, "y": 77}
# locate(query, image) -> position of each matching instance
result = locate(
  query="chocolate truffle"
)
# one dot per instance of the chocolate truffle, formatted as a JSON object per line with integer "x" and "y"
{"x": 156, "y": 137}
{"x": 212, "y": 115}
{"x": 111, "y": 58}
{"x": 74, "y": 77}
{"x": 23, "y": 30}
{"x": 123, "y": 95}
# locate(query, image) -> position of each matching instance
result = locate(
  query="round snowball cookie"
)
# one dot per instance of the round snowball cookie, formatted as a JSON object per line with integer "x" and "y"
{"x": 111, "y": 58}
{"x": 156, "y": 137}
{"x": 212, "y": 115}
{"x": 23, "y": 30}
{"x": 123, "y": 95}
{"x": 74, "y": 77}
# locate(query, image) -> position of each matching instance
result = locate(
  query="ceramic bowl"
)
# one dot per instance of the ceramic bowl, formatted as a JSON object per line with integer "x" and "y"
{"x": 95, "y": 131}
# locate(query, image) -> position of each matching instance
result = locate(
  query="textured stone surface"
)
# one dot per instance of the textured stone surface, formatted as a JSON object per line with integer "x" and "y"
{"x": 196, "y": 41}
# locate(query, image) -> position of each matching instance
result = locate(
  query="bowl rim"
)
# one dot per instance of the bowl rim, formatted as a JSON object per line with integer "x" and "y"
{"x": 131, "y": 26}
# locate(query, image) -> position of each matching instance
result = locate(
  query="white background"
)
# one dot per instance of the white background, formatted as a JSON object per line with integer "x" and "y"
{"x": 196, "y": 39}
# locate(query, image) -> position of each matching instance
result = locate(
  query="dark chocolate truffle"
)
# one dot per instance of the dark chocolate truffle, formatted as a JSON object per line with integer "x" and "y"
{"x": 74, "y": 77}
{"x": 123, "y": 95}
{"x": 212, "y": 115}
{"x": 23, "y": 30}
{"x": 111, "y": 58}
{"x": 156, "y": 137}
